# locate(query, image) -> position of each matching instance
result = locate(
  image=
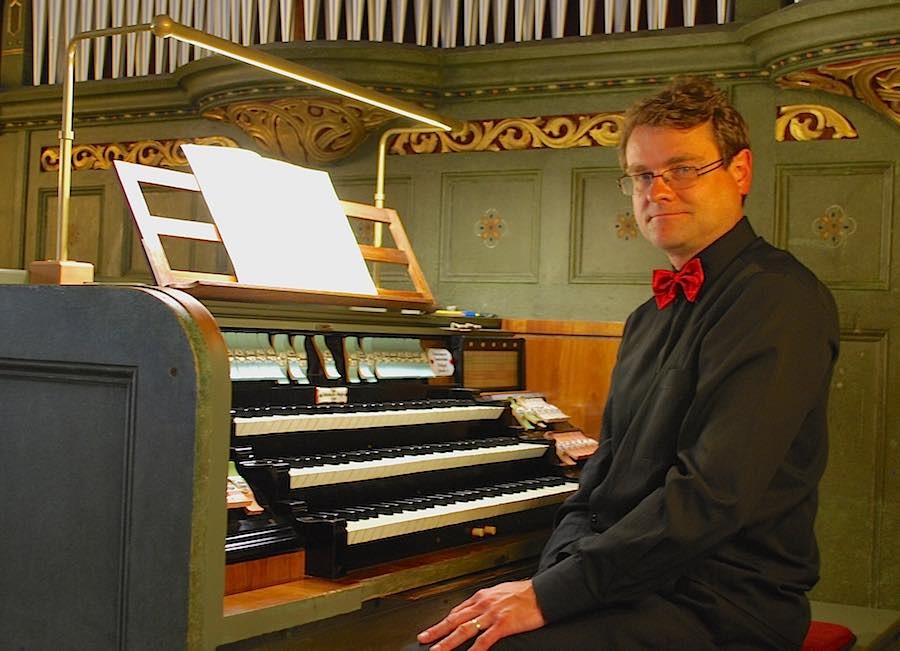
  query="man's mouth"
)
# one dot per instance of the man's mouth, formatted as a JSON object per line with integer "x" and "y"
{"x": 670, "y": 213}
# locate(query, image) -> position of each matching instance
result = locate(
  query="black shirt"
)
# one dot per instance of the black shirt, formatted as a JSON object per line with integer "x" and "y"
{"x": 713, "y": 443}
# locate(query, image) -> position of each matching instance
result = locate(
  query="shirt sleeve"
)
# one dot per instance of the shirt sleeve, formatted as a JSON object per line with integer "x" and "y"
{"x": 573, "y": 518}
{"x": 762, "y": 369}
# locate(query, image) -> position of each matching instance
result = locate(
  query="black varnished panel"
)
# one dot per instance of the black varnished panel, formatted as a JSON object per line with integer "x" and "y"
{"x": 67, "y": 459}
{"x": 97, "y": 428}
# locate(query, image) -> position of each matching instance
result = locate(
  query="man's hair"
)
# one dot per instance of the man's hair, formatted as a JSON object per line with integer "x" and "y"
{"x": 685, "y": 103}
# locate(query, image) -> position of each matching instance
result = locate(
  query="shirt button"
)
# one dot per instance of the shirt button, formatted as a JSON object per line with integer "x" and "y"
{"x": 595, "y": 519}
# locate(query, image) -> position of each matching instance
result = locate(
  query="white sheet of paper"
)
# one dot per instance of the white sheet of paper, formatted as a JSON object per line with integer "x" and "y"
{"x": 281, "y": 224}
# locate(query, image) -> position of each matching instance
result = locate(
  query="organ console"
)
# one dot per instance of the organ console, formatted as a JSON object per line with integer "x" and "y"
{"x": 215, "y": 472}
{"x": 240, "y": 460}
{"x": 330, "y": 454}
{"x": 361, "y": 448}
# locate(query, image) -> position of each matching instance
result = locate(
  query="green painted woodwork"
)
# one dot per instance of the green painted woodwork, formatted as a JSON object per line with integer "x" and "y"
{"x": 562, "y": 257}
{"x": 482, "y": 213}
{"x": 851, "y": 202}
{"x": 15, "y": 44}
{"x": 606, "y": 244}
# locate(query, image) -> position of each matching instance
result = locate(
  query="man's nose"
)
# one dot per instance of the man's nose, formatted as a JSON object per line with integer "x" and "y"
{"x": 659, "y": 189}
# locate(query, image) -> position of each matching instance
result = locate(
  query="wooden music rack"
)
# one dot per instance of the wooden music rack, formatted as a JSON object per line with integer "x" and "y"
{"x": 218, "y": 286}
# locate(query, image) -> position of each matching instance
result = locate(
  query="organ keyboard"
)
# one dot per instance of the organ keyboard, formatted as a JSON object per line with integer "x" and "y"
{"x": 274, "y": 420}
{"x": 379, "y": 521}
{"x": 360, "y": 450}
{"x": 360, "y": 465}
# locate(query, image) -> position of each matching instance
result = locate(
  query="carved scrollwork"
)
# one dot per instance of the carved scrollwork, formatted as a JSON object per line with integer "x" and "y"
{"x": 158, "y": 153}
{"x": 304, "y": 130}
{"x": 812, "y": 122}
{"x": 510, "y": 134}
{"x": 874, "y": 81}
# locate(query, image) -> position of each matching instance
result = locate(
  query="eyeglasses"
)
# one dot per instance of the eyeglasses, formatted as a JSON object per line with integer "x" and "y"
{"x": 677, "y": 178}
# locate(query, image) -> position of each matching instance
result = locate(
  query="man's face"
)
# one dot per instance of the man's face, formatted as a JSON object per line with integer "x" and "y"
{"x": 684, "y": 222}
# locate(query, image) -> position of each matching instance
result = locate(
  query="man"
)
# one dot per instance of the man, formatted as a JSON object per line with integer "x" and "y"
{"x": 693, "y": 524}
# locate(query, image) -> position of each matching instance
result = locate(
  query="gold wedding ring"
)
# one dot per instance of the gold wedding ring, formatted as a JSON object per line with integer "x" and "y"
{"x": 476, "y": 624}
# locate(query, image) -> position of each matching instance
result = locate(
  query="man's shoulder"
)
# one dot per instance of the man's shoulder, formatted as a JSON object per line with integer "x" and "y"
{"x": 765, "y": 262}
{"x": 770, "y": 279}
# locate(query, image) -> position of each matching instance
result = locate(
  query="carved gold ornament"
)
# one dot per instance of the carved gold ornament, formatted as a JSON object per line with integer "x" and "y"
{"x": 304, "y": 130}
{"x": 874, "y": 81}
{"x": 509, "y": 134}
{"x": 812, "y": 122}
{"x": 157, "y": 153}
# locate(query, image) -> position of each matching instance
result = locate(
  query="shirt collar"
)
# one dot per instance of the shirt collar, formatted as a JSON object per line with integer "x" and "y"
{"x": 718, "y": 255}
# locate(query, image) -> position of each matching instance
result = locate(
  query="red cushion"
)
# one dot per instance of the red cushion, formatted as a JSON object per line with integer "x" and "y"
{"x": 823, "y": 636}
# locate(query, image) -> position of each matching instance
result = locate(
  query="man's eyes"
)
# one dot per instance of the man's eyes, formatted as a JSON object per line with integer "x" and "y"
{"x": 673, "y": 172}
{"x": 681, "y": 171}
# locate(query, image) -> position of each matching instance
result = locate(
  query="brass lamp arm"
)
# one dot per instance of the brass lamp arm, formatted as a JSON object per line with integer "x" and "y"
{"x": 164, "y": 27}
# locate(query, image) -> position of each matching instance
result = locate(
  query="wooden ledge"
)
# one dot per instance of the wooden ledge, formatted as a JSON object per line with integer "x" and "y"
{"x": 568, "y": 328}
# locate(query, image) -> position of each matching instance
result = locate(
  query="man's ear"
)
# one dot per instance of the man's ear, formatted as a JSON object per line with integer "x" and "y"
{"x": 741, "y": 168}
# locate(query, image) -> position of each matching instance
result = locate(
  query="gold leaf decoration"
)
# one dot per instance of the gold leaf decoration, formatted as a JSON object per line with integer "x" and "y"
{"x": 834, "y": 227}
{"x": 874, "y": 81}
{"x": 626, "y": 226}
{"x": 490, "y": 228}
{"x": 157, "y": 153}
{"x": 513, "y": 134}
{"x": 304, "y": 130}
{"x": 812, "y": 122}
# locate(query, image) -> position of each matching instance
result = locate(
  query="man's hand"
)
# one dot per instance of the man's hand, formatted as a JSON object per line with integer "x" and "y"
{"x": 491, "y": 614}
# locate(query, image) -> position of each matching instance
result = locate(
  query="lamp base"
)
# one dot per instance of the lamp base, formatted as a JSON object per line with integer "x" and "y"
{"x": 60, "y": 272}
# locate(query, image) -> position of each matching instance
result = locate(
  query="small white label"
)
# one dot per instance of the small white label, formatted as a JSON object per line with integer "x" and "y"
{"x": 331, "y": 395}
{"x": 441, "y": 362}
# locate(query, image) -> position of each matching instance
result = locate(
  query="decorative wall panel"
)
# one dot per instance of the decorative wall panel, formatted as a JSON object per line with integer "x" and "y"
{"x": 85, "y": 225}
{"x": 490, "y": 227}
{"x": 851, "y": 488}
{"x": 836, "y": 218}
{"x": 606, "y": 246}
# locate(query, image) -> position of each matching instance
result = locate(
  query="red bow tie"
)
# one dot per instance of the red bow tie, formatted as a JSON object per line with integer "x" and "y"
{"x": 666, "y": 283}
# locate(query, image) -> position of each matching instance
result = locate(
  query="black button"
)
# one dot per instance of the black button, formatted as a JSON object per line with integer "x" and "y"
{"x": 595, "y": 519}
